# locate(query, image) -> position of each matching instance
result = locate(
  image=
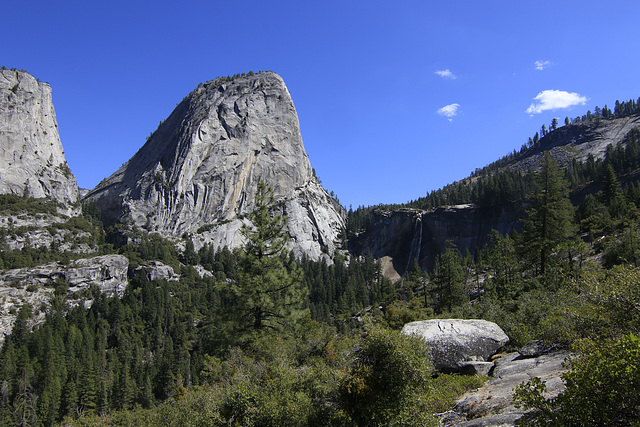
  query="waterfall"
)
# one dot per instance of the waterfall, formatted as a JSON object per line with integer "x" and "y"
{"x": 416, "y": 243}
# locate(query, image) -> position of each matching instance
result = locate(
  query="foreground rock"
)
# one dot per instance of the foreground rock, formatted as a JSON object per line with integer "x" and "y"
{"x": 457, "y": 345}
{"x": 36, "y": 286}
{"x": 198, "y": 173}
{"x": 491, "y": 405}
{"x": 32, "y": 161}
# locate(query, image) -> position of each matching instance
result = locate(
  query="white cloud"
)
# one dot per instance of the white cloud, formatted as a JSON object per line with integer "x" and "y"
{"x": 446, "y": 74}
{"x": 554, "y": 100}
{"x": 449, "y": 111}
{"x": 541, "y": 65}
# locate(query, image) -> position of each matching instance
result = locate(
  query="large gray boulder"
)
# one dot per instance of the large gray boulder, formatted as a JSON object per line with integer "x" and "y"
{"x": 198, "y": 172}
{"x": 456, "y": 344}
{"x": 492, "y": 404}
{"x": 32, "y": 161}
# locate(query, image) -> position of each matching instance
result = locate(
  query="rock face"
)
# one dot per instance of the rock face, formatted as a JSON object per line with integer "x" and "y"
{"x": 455, "y": 344}
{"x": 579, "y": 141}
{"x": 406, "y": 235}
{"x": 35, "y": 286}
{"x": 32, "y": 161}
{"x": 155, "y": 270}
{"x": 492, "y": 405}
{"x": 198, "y": 172}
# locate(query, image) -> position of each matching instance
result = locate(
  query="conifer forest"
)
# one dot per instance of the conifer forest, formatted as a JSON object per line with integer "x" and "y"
{"x": 268, "y": 339}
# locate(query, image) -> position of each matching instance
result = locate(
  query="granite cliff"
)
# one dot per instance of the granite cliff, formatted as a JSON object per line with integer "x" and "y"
{"x": 198, "y": 172}
{"x": 407, "y": 235}
{"x": 403, "y": 235}
{"x": 32, "y": 161}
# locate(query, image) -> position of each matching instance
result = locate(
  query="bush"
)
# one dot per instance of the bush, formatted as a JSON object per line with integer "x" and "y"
{"x": 602, "y": 389}
{"x": 392, "y": 383}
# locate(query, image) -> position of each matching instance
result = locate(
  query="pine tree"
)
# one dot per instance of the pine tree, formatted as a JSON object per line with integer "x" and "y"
{"x": 612, "y": 196}
{"x": 266, "y": 294}
{"x": 503, "y": 261}
{"x": 550, "y": 219}
{"x": 449, "y": 279}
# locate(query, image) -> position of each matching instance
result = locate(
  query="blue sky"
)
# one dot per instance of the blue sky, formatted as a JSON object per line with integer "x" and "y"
{"x": 394, "y": 98}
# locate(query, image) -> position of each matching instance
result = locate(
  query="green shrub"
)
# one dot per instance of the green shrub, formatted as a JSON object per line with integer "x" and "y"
{"x": 602, "y": 389}
{"x": 390, "y": 383}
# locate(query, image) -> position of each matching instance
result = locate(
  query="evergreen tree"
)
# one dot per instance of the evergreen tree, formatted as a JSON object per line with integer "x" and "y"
{"x": 266, "y": 293}
{"x": 550, "y": 219}
{"x": 450, "y": 279}
{"x": 502, "y": 259}
{"x": 612, "y": 196}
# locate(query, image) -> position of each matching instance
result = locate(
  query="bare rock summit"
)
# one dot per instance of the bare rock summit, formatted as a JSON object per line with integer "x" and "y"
{"x": 32, "y": 161}
{"x": 198, "y": 172}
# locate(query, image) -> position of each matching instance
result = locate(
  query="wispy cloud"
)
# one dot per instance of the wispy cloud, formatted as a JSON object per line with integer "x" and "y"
{"x": 449, "y": 111}
{"x": 541, "y": 65}
{"x": 446, "y": 74}
{"x": 554, "y": 100}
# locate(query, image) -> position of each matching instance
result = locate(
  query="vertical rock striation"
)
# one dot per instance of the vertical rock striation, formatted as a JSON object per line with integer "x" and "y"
{"x": 32, "y": 161}
{"x": 407, "y": 235}
{"x": 198, "y": 172}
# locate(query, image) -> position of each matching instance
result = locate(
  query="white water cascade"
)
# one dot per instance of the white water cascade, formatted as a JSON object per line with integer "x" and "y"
{"x": 416, "y": 244}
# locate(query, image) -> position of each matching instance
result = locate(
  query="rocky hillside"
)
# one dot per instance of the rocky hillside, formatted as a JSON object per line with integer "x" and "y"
{"x": 401, "y": 235}
{"x": 579, "y": 141}
{"x": 32, "y": 161}
{"x": 36, "y": 286}
{"x": 198, "y": 172}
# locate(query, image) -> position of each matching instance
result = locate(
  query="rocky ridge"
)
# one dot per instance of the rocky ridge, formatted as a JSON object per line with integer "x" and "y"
{"x": 492, "y": 404}
{"x": 198, "y": 172}
{"x": 36, "y": 286}
{"x": 401, "y": 236}
{"x": 32, "y": 161}
{"x": 44, "y": 230}
{"x": 579, "y": 141}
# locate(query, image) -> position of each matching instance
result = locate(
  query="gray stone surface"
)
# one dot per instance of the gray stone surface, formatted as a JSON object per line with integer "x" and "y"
{"x": 579, "y": 140}
{"x": 32, "y": 161}
{"x": 35, "y": 286}
{"x": 536, "y": 348}
{"x": 198, "y": 173}
{"x": 37, "y": 230}
{"x": 491, "y": 405}
{"x": 454, "y": 342}
{"x": 476, "y": 368}
{"x": 156, "y": 270}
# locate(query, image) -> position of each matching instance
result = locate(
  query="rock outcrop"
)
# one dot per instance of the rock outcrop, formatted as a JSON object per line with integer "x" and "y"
{"x": 492, "y": 405}
{"x": 36, "y": 286}
{"x": 198, "y": 172}
{"x": 32, "y": 161}
{"x": 156, "y": 270}
{"x": 579, "y": 141}
{"x": 457, "y": 345}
